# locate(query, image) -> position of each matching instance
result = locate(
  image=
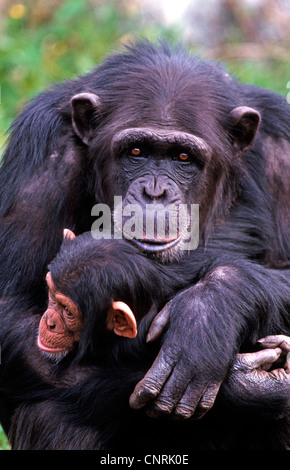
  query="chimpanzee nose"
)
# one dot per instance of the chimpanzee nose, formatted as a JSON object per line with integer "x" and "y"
{"x": 155, "y": 189}
{"x": 52, "y": 321}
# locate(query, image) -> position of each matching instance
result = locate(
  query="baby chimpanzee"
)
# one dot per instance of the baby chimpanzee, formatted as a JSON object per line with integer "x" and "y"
{"x": 100, "y": 289}
{"x": 97, "y": 288}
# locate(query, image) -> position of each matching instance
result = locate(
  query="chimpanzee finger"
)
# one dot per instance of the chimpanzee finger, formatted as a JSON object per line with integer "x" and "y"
{"x": 207, "y": 400}
{"x": 150, "y": 386}
{"x": 273, "y": 341}
{"x": 171, "y": 393}
{"x": 159, "y": 323}
{"x": 194, "y": 404}
{"x": 281, "y": 341}
{"x": 260, "y": 359}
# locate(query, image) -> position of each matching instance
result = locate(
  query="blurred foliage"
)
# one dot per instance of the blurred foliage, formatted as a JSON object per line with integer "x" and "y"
{"x": 44, "y": 42}
{"x": 3, "y": 441}
{"x": 272, "y": 74}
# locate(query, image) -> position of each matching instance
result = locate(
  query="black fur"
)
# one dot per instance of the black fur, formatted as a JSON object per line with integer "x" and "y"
{"x": 93, "y": 412}
{"x": 50, "y": 179}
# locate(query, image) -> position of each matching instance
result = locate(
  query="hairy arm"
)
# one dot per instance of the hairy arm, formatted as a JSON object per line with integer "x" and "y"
{"x": 206, "y": 325}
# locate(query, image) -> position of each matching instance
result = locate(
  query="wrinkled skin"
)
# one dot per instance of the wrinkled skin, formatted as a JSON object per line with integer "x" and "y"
{"x": 172, "y": 388}
{"x": 251, "y": 376}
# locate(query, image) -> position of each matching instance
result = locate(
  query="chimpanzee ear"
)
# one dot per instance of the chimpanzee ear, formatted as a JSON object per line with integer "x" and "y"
{"x": 121, "y": 320}
{"x": 68, "y": 234}
{"x": 245, "y": 124}
{"x": 48, "y": 277}
{"x": 84, "y": 106}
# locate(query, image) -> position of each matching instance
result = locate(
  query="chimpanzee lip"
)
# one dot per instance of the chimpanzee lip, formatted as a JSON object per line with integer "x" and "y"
{"x": 156, "y": 246}
{"x": 47, "y": 349}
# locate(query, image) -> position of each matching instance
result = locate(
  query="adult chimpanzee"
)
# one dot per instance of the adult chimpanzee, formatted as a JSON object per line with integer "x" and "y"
{"x": 97, "y": 289}
{"x": 155, "y": 125}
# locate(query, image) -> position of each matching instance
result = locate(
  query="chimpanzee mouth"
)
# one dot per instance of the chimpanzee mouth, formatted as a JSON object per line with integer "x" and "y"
{"x": 156, "y": 246}
{"x": 48, "y": 349}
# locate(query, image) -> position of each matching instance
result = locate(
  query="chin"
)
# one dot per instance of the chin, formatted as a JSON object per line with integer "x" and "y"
{"x": 163, "y": 253}
{"x": 54, "y": 357}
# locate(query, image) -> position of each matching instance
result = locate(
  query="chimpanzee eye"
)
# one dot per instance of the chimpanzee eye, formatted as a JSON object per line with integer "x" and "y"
{"x": 183, "y": 157}
{"x": 67, "y": 312}
{"x": 180, "y": 155}
{"x": 136, "y": 152}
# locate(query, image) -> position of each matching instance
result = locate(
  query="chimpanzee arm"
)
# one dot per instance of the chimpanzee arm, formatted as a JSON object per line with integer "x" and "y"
{"x": 207, "y": 324}
{"x": 38, "y": 199}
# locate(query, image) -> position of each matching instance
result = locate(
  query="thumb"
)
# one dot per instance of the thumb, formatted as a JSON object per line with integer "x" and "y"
{"x": 159, "y": 323}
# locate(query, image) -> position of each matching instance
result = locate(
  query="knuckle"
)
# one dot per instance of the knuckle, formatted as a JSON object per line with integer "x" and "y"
{"x": 207, "y": 401}
{"x": 206, "y": 404}
{"x": 241, "y": 364}
{"x": 148, "y": 390}
{"x": 184, "y": 412}
{"x": 163, "y": 408}
{"x": 143, "y": 393}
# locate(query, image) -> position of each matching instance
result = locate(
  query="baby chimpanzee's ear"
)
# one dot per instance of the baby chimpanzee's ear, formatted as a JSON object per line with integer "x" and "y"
{"x": 68, "y": 234}
{"x": 121, "y": 320}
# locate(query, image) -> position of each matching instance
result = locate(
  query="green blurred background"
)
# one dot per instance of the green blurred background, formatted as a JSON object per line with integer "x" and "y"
{"x": 42, "y": 42}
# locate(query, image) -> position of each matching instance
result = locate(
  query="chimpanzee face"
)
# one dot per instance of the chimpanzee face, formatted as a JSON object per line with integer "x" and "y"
{"x": 162, "y": 171}
{"x": 165, "y": 147}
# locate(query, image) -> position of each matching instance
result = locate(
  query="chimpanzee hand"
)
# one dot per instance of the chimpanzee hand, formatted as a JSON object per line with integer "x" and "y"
{"x": 251, "y": 379}
{"x": 190, "y": 367}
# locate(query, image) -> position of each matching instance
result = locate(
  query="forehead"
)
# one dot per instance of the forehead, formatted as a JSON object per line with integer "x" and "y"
{"x": 179, "y": 101}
